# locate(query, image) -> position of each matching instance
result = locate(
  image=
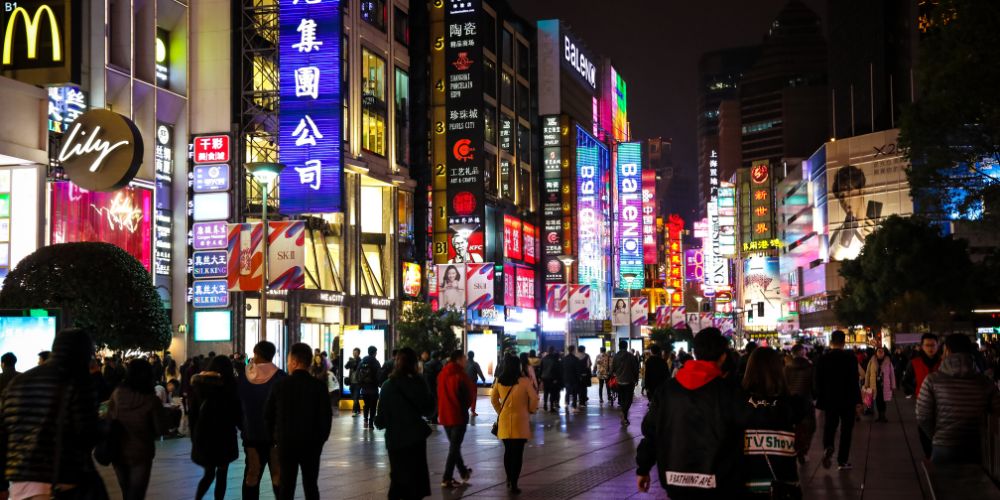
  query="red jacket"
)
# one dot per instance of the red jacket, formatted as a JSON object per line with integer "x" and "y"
{"x": 454, "y": 395}
{"x": 922, "y": 368}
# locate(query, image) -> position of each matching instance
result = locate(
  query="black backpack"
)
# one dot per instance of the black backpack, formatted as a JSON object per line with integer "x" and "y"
{"x": 367, "y": 374}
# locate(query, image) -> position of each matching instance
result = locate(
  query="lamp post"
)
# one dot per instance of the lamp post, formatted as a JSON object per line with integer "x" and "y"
{"x": 265, "y": 174}
{"x": 567, "y": 262}
{"x": 698, "y": 299}
{"x": 670, "y": 301}
{"x": 629, "y": 279}
{"x": 737, "y": 320}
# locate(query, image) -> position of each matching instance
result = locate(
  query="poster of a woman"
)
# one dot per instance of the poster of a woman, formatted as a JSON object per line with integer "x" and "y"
{"x": 451, "y": 287}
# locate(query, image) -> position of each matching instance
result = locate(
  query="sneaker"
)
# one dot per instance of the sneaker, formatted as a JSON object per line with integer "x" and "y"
{"x": 845, "y": 466}
{"x": 466, "y": 476}
{"x": 828, "y": 458}
{"x": 450, "y": 484}
{"x": 355, "y": 415}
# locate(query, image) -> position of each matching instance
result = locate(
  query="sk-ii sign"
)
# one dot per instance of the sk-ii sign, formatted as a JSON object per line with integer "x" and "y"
{"x": 310, "y": 119}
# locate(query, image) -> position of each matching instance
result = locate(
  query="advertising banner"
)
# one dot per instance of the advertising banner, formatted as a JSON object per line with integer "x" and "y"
{"x": 311, "y": 112}
{"x": 678, "y": 317}
{"x": 525, "y": 287}
{"x": 694, "y": 265}
{"x": 486, "y": 347}
{"x": 286, "y": 255}
{"x": 552, "y": 232}
{"x": 620, "y": 311}
{"x": 640, "y": 310}
{"x": 592, "y": 165}
{"x": 512, "y": 237}
{"x": 579, "y": 302}
{"x": 628, "y": 229}
{"x": 761, "y": 188}
{"x": 557, "y": 300}
{"x": 466, "y": 243}
{"x": 412, "y": 282}
{"x": 530, "y": 246}
{"x": 662, "y": 315}
{"x": 649, "y": 250}
{"x": 451, "y": 286}
{"x": 211, "y": 178}
{"x": 509, "y": 285}
{"x": 123, "y": 218}
{"x": 761, "y": 292}
{"x": 246, "y": 257}
{"x": 479, "y": 286}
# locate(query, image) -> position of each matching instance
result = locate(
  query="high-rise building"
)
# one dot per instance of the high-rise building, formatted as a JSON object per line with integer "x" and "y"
{"x": 872, "y": 48}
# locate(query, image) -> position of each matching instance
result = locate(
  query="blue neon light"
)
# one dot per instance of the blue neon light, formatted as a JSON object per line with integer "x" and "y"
{"x": 628, "y": 227}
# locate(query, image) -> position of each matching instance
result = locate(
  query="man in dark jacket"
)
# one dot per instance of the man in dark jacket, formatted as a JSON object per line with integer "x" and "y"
{"x": 571, "y": 377}
{"x": 432, "y": 369}
{"x": 254, "y": 388}
{"x": 298, "y": 417}
{"x": 48, "y": 406}
{"x": 368, "y": 381}
{"x": 838, "y": 394}
{"x": 657, "y": 371}
{"x": 953, "y": 403}
{"x": 625, "y": 368}
{"x": 801, "y": 379}
{"x": 741, "y": 364}
{"x": 925, "y": 362}
{"x": 353, "y": 373}
{"x": 7, "y": 363}
{"x": 475, "y": 374}
{"x": 693, "y": 430}
{"x": 551, "y": 379}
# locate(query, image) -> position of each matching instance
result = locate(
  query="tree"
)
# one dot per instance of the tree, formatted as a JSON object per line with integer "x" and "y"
{"x": 99, "y": 287}
{"x": 422, "y": 329}
{"x": 908, "y": 274}
{"x": 955, "y": 122}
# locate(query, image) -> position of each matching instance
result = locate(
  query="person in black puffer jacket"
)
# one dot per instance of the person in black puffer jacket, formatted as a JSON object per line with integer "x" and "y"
{"x": 215, "y": 416}
{"x": 769, "y": 440}
{"x": 693, "y": 430}
{"x": 801, "y": 379}
{"x": 953, "y": 404}
{"x": 31, "y": 428}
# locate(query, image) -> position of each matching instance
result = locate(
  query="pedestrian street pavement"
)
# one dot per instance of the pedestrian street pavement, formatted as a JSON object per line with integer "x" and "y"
{"x": 585, "y": 455}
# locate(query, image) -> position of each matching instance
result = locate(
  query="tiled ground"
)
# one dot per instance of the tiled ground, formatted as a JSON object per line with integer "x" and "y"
{"x": 583, "y": 456}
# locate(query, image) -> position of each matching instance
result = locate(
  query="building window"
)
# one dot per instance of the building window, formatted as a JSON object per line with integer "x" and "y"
{"x": 490, "y": 123}
{"x": 490, "y": 78}
{"x": 402, "y": 117}
{"x": 523, "y": 101}
{"x": 401, "y": 26}
{"x": 490, "y": 33}
{"x": 373, "y": 11}
{"x": 345, "y": 90}
{"x": 404, "y": 213}
{"x": 507, "y": 49}
{"x": 506, "y": 133}
{"x": 373, "y": 106}
{"x": 507, "y": 89}
{"x": 753, "y": 128}
{"x": 523, "y": 60}
{"x": 490, "y": 171}
{"x": 523, "y": 143}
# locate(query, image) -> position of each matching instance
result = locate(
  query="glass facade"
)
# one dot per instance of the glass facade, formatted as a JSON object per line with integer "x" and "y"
{"x": 402, "y": 117}
{"x": 373, "y": 106}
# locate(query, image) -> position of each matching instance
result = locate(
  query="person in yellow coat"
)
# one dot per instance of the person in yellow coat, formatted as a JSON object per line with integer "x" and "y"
{"x": 514, "y": 398}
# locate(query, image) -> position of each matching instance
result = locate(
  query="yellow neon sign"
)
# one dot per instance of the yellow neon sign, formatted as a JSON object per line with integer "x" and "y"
{"x": 31, "y": 33}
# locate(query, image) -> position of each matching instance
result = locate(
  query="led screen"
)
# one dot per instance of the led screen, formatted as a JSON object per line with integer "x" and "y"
{"x": 123, "y": 218}
{"x": 486, "y": 348}
{"x": 361, "y": 339}
{"x": 26, "y": 337}
{"x": 592, "y": 345}
{"x": 213, "y": 326}
{"x": 628, "y": 230}
{"x": 592, "y": 161}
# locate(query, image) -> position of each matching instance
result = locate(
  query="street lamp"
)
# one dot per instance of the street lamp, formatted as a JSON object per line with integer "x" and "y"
{"x": 698, "y": 299}
{"x": 670, "y": 301}
{"x": 629, "y": 279}
{"x": 265, "y": 174}
{"x": 567, "y": 261}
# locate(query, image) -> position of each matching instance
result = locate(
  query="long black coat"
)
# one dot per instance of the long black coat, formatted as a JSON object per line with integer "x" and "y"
{"x": 298, "y": 414}
{"x": 215, "y": 415}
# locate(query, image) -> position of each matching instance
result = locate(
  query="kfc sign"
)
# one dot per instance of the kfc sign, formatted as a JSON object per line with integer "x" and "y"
{"x": 211, "y": 149}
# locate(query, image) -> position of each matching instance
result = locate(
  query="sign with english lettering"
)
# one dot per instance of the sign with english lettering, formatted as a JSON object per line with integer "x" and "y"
{"x": 101, "y": 151}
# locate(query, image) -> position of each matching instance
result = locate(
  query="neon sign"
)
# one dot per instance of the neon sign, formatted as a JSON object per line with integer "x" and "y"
{"x": 31, "y": 25}
{"x": 628, "y": 232}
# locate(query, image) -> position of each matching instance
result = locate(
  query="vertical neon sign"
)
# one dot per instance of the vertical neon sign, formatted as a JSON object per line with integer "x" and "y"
{"x": 628, "y": 227}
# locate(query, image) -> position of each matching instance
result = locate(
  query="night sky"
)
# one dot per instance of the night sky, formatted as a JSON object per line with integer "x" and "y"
{"x": 655, "y": 46}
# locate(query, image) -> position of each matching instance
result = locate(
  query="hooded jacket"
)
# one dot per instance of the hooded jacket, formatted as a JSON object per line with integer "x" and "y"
{"x": 140, "y": 420}
{"x": 254, "y": 388}
{"x": 454, "y": 395}
{"x": 402, "y": 406}
{"x": 954, "y": 401}
{"x": 706, "y": 461}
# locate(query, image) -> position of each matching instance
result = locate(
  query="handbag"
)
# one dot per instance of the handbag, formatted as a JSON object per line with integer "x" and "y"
{"x": 496, "y": 425}
{"x": 613, "y": 383}
{"x": 781, "y": 490}
{"x": 868, "y": 397}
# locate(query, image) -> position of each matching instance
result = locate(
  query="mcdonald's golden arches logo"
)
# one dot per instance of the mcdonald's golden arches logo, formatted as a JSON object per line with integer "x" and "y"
{"x": 32, "y": 23}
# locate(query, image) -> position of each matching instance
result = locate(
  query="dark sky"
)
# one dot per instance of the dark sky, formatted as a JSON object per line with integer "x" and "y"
{"x": 655, "y": 45}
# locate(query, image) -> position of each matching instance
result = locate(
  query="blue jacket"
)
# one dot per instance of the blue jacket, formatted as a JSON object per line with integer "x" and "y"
{"x": 254, "y": 389}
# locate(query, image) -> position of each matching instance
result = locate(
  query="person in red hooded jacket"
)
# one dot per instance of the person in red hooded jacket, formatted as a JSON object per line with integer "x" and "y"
{"x": 455, "y": 393}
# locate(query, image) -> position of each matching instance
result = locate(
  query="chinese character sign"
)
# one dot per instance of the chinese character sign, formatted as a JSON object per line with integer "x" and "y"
{"x": 629, "y": 221}
{"x": 311, "y": 112}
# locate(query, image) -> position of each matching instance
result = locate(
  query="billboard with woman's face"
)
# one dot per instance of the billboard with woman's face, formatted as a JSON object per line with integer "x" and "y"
{"x": 451, "y": 286}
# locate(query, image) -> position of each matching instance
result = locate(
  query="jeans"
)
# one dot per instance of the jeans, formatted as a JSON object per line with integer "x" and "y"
{"x": 133, "y": 479}
{"x": 258, "y": 457}
{"x": 456, "y": 434}
{"x": 355, "y": 394}
{"x": 625, "y": 394}
{"x": 844, "y": 417}
{"x": 956, "y": 455}
{"x": 289, "y": 461}
{"x": 513, "y": 459}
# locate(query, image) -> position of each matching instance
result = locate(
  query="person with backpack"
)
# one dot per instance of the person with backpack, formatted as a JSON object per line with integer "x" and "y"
{"x": 354, "y": 380}
{"x": 368, "y": 371}
{"x": 551, "y": 380}
{"x": 254, "y": 388}
{"x": 387, "y": 368}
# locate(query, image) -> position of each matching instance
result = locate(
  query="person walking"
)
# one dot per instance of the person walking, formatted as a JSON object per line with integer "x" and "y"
{"x": 455, "y": 393}
{"x": 953, "y": 404}
{"x": 404, "y": 404}
{"x": 298, "y": 417}
{"x": 657, "y": 372}
{"x": 354, "y": 380}
{"x": 772, "y": 416}
{"x": 254, "y": 388}
{"x": 800, "y": 378}
{"x": 693, "y": 432}
{"x": 137, "y": 418}
{"x": 514, "y": 399}
{"x": 368, "y": 382}
{"x": 50, "y": 411}
{"x": 214, "y": 418}
{"x": 602, "y": 370}
{"x": 551, "y": 380}
{"x": 625, "y": 367}
{"x": 880, "y": 379}
{"x": 475, "y": 374}
{"x": 839, "y": 396}
{"x": 925, "y": 362}
{"x": 571, "y": 378}
{"x": 432, "y": 369}
{"x": 7, "y": 364}
{"x": 586, "y": 369}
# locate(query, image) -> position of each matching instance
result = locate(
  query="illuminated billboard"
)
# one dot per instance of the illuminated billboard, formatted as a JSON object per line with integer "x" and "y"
{"x": 675, "y": 259}
{"x": 649, "y": 216}
{"x": 123, "y": 218}
{"x": 761, "y": 190}
{"x": 628, "y": 229}
{"x": 311, "y": 112}
{"x": 552, "y": 231}
{"x": 592, "y": 162}
{"x": 761, "y": 292}
{"x": 726, "y": 203}
{"x": 619, "y": 107}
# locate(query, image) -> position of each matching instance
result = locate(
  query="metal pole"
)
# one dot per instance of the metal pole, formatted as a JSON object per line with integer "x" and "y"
{"x": 263, "y": 285}
{"x": 566, "y": 271}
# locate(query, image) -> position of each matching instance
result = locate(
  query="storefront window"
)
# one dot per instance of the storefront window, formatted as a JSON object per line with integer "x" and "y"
{"x": 373, "y": 105}
{"x": 490, "y": 172}
{"x": 402, "y": 95}
{"x": 507, "y": 133}
{"x": 324, "y": 253}
{"x": 523, "y": 141}
{"x": 523, "y": 101}
{"x": 373, "y": 11}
